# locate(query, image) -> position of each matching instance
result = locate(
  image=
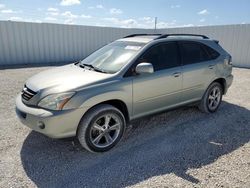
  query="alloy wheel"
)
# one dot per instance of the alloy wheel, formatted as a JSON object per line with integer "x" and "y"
{"x": 105, "y": 130}
{"x": 214, "y": 98}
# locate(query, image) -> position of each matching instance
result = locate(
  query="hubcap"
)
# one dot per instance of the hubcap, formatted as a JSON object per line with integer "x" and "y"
{"x": 105, "y": 130}
{"x": 214, "y": 98}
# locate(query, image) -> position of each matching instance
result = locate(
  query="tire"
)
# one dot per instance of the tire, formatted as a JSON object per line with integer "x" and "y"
{"x": 101, "y": 128}
{"x": 209, "y": 96}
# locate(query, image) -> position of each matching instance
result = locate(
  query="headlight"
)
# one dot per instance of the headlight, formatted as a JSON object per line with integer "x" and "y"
{"x": 55, "y": 101}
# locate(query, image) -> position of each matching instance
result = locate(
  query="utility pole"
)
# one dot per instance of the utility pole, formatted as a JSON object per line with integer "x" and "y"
{"x": 155, "y": 24}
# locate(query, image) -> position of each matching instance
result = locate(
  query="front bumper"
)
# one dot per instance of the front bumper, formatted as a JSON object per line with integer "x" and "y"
{"x": 54, "y": 124}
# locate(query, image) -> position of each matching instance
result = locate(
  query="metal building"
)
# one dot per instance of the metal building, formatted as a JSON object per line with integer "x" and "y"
{"x": 43, "y": 43}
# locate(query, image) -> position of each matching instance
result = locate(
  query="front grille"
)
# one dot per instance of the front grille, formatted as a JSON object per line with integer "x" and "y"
{"x": 27, "y": 93}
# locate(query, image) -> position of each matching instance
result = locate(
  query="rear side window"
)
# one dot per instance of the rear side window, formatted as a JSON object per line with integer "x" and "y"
{"x": 193, "y": 52}
{"x": 211, "y": 52}
{"x": 162, "y": 56}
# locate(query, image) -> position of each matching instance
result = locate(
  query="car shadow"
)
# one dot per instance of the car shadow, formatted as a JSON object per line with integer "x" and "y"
{"x": 171, "y": 142}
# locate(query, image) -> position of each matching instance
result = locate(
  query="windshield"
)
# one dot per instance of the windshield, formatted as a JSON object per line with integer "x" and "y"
{"x": 112, "y": 57}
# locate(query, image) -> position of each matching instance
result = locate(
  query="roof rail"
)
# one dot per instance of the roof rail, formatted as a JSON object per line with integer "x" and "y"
{"x": 135, "y": 35}
{"x": 169, "y": 35}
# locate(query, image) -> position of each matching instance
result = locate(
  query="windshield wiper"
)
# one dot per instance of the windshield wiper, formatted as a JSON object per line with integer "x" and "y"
{"x": 83, "y": 65}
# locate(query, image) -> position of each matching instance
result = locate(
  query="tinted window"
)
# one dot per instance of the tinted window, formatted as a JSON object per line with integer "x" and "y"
{"x": 211, "y": 52}
{"x": 162, "y": 56}
{"x": 193, "y": 52}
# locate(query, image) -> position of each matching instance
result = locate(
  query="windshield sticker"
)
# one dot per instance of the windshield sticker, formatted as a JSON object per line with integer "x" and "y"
{"x": 133, "y": 48}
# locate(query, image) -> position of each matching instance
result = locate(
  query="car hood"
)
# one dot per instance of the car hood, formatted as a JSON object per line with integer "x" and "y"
{"x": 65, "y": 78}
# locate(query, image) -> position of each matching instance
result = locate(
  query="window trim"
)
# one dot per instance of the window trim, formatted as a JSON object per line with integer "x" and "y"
{"x": 130, "y": 72}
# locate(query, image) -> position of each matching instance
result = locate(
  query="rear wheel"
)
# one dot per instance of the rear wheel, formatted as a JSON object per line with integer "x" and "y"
{"x": 101, "y": 128}
{"x": 212, "y": 98}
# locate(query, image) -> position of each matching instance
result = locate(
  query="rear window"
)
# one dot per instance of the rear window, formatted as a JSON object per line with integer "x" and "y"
{"x": 211, "y": 52}
{"x": 193, "y": 52}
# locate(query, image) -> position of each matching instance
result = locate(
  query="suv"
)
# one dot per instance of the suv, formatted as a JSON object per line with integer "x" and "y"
{"x": 141, "y": 74}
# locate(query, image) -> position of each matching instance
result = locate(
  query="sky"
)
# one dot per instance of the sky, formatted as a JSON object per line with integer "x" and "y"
{"x": 128, "y": 13}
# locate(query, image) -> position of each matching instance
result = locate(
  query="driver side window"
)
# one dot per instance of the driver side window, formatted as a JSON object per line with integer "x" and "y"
{"x": 161, "y": 56}
{"x": 154, "y": 56}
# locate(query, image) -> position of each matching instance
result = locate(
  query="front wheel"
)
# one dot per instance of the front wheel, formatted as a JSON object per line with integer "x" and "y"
{"x": 212, "y": 98}
{"x": 101, "y": 128}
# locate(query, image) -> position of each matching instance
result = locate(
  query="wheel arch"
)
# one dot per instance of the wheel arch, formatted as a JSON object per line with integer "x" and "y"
{"x": 120, "y": 105}
{"x": 221, "y": 81}
{"x": 117, "y": 103}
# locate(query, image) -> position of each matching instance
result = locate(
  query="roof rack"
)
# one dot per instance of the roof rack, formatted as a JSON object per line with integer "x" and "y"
{"x": 135, "y": 35}
{"x": 168, "y": 35}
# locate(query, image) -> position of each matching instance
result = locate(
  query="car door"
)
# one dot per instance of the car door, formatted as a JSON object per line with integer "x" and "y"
{"x": 161, "y": 89}
{"x": 197, "y": 70}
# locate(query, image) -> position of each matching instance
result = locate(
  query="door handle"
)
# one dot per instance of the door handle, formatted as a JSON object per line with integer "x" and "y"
{"x": 176, "y": 74}
{"x": 211, "y": 66}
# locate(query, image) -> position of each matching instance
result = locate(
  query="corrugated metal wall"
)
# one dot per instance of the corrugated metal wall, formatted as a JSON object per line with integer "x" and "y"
{"x": 233, "y": 38}
{"x": 38, "y": 43}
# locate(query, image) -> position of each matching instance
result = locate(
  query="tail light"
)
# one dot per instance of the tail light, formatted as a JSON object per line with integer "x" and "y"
{"x": 228, "y": 61}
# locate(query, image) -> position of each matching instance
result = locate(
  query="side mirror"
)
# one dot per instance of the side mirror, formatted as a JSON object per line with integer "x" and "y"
{"x": 144, "y": 68}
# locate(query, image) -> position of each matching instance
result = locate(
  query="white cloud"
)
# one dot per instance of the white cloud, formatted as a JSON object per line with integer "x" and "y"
{"x": 50, "y": 19}
{"x": 162, "y": 25}
{"x": 2, "y": 6}
{"x": 96, "y": 7}
{"x": 175, "y": 6}
{"x": 111, "y": 19}
{"x": 70, "y": 2}
{"x": 128, "y": 23}
{"x": 51, "y": 9}
{"x": 100, "y": 6}
{"x": 8, "y": 11}
{"x": 69, "y": 17}
{"x": 166, "y": 24}
{"x": 37, "y": 21}
{"x": 202, "y": 20}
{"x": 69, "y": 21}
{"x": 147, "y": 20}
{"x": 86, "y": 16}
{"x": 203, "y": 12}
{"x": 53, "y": 13}
{"x": 115, "y": 11}
{"x": 101, "y": 25}
{"x": 68, "y": 14}
{"x": 187, "y": 25}
{"x": 16, "y": 18}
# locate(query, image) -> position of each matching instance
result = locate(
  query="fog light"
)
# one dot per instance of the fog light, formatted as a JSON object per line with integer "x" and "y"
{"x": 41, "y": 125}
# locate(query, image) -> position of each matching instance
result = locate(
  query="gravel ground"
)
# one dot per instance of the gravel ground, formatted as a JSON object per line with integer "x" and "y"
{"x": 180, "y": 148}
